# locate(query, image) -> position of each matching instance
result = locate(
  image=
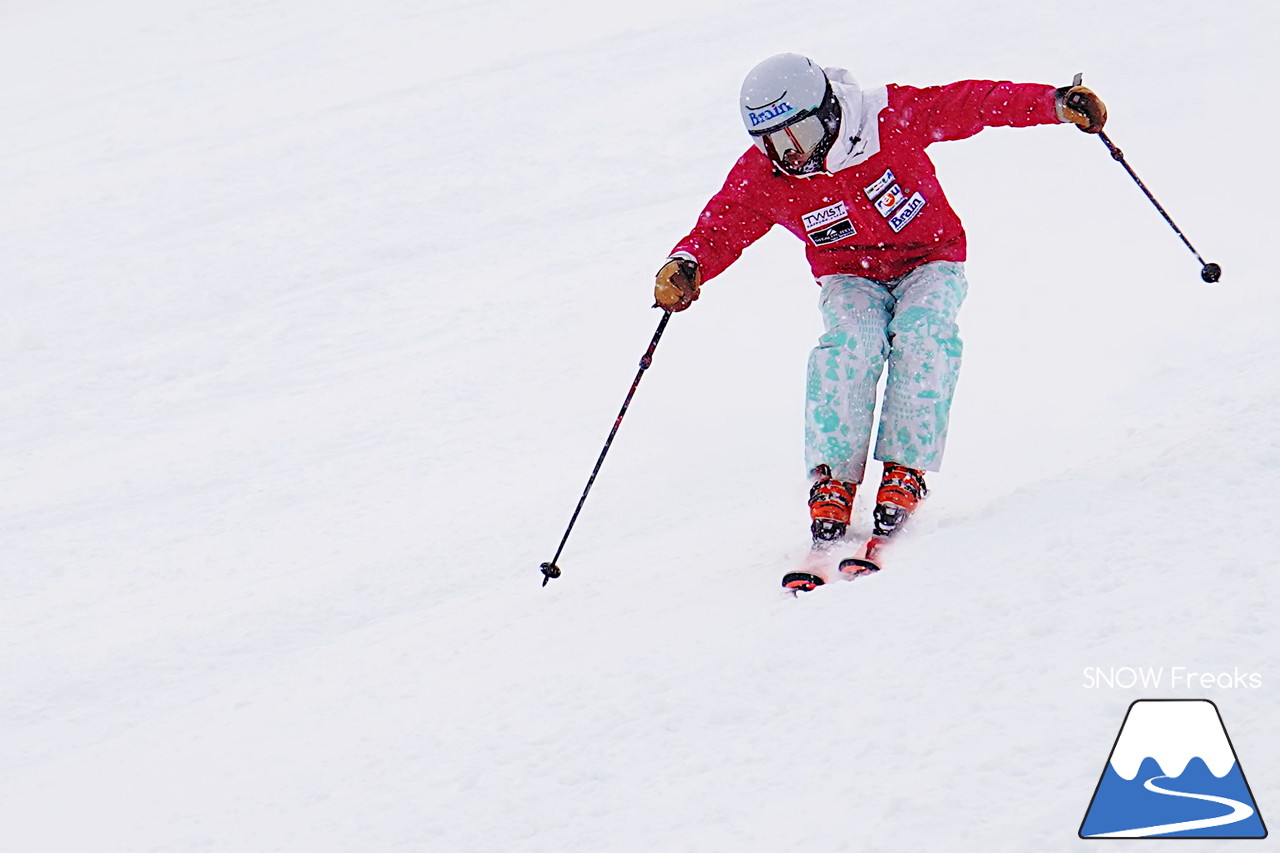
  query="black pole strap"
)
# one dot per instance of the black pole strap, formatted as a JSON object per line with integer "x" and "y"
{"x": 550, "y": 569}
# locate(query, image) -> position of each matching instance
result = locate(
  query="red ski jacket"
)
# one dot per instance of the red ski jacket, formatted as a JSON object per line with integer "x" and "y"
{"x": 881, "y": 212}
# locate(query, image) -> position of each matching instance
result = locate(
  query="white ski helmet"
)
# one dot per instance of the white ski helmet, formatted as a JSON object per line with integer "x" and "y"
{"x": 791, "y": 111}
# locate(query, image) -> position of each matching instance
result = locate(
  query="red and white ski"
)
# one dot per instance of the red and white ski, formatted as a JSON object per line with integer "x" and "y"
{"x": 824, "y": 563}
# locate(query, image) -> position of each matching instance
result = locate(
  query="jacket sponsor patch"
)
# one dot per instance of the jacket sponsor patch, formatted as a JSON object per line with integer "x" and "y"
{"x": 829, "y": 224}
{"x": 833, "y": 234}
{"x": 908, "y": 212}
{"x": 880, "y": 184}
{"x": 890, "y": 201}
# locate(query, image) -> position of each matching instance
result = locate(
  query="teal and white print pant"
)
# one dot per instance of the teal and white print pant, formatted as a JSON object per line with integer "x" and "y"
{"x": 908, "y": 323}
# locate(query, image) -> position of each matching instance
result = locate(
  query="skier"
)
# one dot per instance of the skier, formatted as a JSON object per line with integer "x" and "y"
{"x": 845, "y": 170}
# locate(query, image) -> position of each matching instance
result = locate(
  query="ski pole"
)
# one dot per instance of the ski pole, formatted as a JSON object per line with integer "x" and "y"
{"x": 550, "y": 569}
{"x": 1208, "y": 272}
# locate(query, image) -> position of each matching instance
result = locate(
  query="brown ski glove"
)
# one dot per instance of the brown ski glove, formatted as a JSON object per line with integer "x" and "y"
{"x": 1080, "y": 106}
{"x": 677, "y": 283}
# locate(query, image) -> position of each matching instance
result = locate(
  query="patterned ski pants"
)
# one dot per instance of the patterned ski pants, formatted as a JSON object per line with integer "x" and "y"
{"x": 910, "y": 324}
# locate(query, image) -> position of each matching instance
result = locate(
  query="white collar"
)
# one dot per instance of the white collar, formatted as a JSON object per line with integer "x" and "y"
{"x": 859, "y": 138}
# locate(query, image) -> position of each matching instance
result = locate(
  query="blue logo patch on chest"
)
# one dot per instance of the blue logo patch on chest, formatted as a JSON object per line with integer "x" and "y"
{"x": 891, "y": 201}
{"x": 907, "y": 212}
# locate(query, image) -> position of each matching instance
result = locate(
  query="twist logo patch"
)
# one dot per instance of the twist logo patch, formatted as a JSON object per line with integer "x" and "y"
{"x": 828, "y": 225}
{"x": 1172, "y": 773}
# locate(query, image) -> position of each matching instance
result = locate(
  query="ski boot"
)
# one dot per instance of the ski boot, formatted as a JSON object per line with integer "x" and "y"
{"x": 901, "y": 490}
{"x": 830, "y": 505}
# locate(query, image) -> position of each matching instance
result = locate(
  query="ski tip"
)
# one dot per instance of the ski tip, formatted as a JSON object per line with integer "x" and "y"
{"x": 801, "y": 581}
{"x": 855, "y": 567}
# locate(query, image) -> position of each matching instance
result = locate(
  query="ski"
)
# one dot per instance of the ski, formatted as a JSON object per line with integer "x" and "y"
{"x": 813, "y": 570}
{"x": 823, "y": 563}
{"x": 796, "y": 582}
{"x": 868, "y": 562}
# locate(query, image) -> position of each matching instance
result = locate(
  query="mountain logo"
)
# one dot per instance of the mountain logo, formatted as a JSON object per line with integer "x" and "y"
{"x": 1173, "y": 773}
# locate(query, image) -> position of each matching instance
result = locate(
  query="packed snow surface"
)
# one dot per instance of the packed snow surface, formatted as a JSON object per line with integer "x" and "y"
{"x": 316, "y": 315}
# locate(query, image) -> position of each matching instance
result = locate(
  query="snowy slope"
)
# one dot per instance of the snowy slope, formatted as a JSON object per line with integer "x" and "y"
{"x": 314, "y": 318}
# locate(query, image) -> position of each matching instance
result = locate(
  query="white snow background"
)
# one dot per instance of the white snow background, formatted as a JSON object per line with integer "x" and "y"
{"x": 314, "y": 316}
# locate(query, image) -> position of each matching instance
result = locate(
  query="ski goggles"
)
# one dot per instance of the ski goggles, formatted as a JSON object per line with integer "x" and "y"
{"x": 792, "y": 145}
